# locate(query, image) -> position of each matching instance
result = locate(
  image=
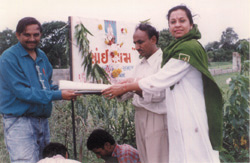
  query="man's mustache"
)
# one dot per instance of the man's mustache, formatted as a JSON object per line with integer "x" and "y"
{"x": 34, "y": 42}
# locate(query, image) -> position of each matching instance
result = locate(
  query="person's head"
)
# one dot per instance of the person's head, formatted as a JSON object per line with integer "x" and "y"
{"x": 28, "y": 32}
{"x": 180, "y": 21}
{"x": 101, "y": 143}
{"x": 53, "y": 149}
{"x": 145, "y": 39}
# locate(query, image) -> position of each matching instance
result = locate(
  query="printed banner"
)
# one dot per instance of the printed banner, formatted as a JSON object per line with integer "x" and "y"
{"x": 111, "y": 45}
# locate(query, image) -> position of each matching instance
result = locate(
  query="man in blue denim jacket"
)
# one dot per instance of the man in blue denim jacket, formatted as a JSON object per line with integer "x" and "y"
{"x": 26, "y": 94}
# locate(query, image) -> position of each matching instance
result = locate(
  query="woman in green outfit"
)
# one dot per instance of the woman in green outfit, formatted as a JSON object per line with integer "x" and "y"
{"x": 194, "y": 101}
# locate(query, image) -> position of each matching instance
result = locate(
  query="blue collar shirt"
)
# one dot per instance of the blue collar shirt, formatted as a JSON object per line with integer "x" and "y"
{"x": 26, "y": 87}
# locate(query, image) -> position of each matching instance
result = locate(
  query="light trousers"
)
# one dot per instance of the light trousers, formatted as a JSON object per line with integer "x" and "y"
{"x": 151, "y": 136}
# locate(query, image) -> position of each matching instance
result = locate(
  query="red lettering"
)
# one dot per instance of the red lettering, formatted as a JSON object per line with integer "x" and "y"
{"x": 95, "y": 58}
{"x": 104, "y": 57}
{"x": 121, "y": 59}
{"x": 127, "y": 57}
{"x": 116, "y": 57}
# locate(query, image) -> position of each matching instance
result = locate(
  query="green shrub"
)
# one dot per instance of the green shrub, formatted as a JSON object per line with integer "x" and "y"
{"x": 236, "y": 121}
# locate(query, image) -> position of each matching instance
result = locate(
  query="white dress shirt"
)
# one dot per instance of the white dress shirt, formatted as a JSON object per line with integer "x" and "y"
{"x": 154, "y": 102}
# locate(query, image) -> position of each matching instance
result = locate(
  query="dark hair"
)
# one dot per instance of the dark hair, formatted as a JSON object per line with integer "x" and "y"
{"x": 150, "y": 30}
{"x": 25, "y": 22}
{"x": 184, "y": 8}
{"x": 53, "y": 149}
{"x": 98, "y": 138}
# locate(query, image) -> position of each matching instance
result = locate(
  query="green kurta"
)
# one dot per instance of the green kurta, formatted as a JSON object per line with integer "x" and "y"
{"x": 188, "y": 49}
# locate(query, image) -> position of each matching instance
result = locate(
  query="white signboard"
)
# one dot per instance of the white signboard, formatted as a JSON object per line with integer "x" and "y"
{"x": 111, "y": 45}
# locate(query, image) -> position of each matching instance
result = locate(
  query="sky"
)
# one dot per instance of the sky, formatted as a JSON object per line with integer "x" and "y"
{"x": 212, "y": 16}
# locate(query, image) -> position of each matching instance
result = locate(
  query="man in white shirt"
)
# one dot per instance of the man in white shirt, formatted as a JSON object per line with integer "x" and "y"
{"x": 150, "y": 109}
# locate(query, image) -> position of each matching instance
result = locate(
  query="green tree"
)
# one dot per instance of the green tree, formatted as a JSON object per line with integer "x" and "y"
{"x": 219, "y": 55}
{"x": 165, "y": 38}
{"x": 228, "y": 40}
{"x": 212, "y": 46}
{"x": 53, "y": 43}
{"x": 7, "y": 39}
{"x": 229, "y": 37}
{"x": 222, "y": 50}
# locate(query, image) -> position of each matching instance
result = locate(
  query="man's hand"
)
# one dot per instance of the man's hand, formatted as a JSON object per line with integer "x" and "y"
{"x": 69, "y": 95}
{"x": 114, "y": 91}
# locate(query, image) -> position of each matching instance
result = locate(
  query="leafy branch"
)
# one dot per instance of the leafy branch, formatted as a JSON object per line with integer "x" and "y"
{"x": 97, "y": 73}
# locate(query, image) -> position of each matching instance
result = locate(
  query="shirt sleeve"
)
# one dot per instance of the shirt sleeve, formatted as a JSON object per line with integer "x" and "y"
{"x": 153, "y": 97}
{"x": 129, "y": 157}
{"x": 125, "y": 97}
{"x": 19, "y": 85}
{"x": 170, "y": 74}
{"x": 154, "y": 106}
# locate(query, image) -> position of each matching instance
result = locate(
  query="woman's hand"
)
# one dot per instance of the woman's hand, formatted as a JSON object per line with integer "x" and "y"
{"x": 114, "y": 91}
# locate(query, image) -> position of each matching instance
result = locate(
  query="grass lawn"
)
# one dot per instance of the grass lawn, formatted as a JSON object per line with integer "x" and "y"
{"x": 221, "y": 80}
{"x": 220, "y": 65}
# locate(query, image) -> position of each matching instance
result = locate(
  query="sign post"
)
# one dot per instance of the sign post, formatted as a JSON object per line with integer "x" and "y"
{"x": 111, "y": 46}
